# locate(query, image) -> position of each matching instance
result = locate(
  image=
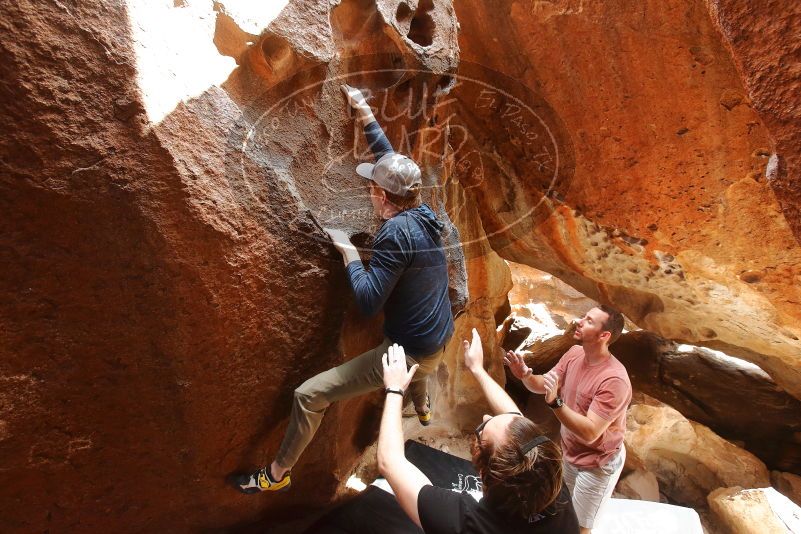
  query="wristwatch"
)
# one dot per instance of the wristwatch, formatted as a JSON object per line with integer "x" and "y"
{"x": 557, "y": 403}
{"x": 393, "y": 390}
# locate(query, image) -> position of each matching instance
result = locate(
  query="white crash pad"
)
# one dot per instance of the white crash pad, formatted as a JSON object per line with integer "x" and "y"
{"x": 624, "y": 516}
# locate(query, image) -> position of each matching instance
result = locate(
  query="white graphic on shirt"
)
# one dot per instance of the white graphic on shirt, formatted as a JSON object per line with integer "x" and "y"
{"x": 469, "y": 483}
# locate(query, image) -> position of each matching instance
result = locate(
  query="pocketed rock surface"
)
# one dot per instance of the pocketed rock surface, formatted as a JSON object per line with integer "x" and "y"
{"x": 166, "y": 287}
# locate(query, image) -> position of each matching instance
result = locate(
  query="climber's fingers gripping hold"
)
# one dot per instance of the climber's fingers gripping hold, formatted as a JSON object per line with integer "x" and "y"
{"x": 358, "y": 101}
{"x": 355, "y": 97}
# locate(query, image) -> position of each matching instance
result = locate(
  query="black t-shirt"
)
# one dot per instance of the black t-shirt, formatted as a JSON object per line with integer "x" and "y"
{"x": 443, "y": 511}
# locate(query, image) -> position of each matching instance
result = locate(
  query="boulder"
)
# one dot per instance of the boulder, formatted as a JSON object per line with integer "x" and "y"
{"x": 640, "y": 485}
{"x": 166, "y": 285}
{"x": 788, "y": 484}
{"x": 687, "y": 458}
{"x": 736, "y": 399}
{"x": 754, "y": 511}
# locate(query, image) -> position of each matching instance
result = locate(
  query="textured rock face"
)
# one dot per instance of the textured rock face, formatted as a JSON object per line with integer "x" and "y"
{"x": 750, "y": 511}
{"x": 736, "y": 400}
{"x": 764, "y": 42}
{"x": 688, "y": 459}
{"x": 667, "y": 212}
{"x": 165, "y": 287}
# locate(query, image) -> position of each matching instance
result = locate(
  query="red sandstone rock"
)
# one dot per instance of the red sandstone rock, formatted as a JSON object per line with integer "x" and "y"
{"x": 165, "y": 287}
{"x": 660, "y": 206}
{"x": 764, "y": 40}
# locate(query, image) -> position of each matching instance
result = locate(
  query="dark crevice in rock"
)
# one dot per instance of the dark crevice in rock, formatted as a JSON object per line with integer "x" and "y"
{"x": 422, "y": 28}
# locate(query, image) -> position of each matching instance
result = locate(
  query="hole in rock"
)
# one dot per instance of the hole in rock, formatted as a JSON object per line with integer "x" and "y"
{"x": 751, "y": 277}
{"x": 445, "y": 84}
{"x": 422, "y": 27}
{"x": 365, "y": 49}
{"x": 403, "y": 13}
{"x": 277, "y": 53}
{"x": 708, "y": 333}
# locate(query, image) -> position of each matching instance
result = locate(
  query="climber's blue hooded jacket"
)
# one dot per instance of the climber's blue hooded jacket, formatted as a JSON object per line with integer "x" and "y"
{"x": 408, "y": 278}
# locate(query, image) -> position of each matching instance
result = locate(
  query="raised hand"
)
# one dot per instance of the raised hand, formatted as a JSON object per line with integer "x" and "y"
{"x": 395, "y": 374}
{"x": 358, "y": 101}
{"x": 340, "y": 239}
{"x": 473, "y": 352}
{"x": 517, "y": 365}
{"x": 354, "y": 96}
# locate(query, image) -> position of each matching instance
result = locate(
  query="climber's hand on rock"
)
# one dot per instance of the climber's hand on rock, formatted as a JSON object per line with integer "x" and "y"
{"x": 473, "y": 353}
{"x": 354, "y": 96}
{"x": 342, "y": 243}
{"x": 357, "y": 100}
{"x": 551, "y": 386}
{"x": 340, "y": 240}
{"x": 517, "y": 365}
{"x": 396, "y": 375}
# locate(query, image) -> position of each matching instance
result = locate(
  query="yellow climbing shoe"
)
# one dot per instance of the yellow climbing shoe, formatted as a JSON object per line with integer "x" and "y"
{"x": 261, "y": 481}
{"x": 425, "y": 417}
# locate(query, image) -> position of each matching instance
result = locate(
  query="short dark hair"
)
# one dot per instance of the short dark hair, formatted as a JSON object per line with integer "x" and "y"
{"x": 613, "y": 323}
{"x": 514, "y": 483}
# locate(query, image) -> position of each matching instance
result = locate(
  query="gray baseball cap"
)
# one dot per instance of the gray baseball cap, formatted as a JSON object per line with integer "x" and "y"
{"x": 393, "y": 172}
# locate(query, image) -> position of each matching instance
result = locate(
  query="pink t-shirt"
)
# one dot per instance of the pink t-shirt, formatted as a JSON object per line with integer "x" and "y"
{"x": 602, "y": 388}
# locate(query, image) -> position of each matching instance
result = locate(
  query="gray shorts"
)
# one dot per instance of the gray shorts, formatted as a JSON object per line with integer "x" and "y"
{"x": 592, "y": 488}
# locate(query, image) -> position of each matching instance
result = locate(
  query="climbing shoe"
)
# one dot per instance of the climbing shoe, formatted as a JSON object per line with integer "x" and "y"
{"x": 261, "y": 481}
{"x": 425, "y": 417}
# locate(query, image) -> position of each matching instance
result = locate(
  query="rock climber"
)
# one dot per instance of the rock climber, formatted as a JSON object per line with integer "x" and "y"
{"x": 407, "y": 278}
{"x": 589, "y": 391}
{"x": 520, "y": 468}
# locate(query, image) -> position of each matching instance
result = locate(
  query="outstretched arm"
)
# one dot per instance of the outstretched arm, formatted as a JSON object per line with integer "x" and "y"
{"x": 376, "y": 139}
{"x": 499, "y": 400}
{"x": 403, "y": 476}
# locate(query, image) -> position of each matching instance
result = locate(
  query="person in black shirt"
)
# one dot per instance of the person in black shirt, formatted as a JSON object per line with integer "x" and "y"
{"x": 520, "y": 469}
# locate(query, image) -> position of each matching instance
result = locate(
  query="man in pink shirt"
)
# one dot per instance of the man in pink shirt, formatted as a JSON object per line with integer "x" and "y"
{"x": 588, "y": 391}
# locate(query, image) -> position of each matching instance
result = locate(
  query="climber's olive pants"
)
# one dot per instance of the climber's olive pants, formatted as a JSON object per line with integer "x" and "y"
{"x": 357, "y": 376}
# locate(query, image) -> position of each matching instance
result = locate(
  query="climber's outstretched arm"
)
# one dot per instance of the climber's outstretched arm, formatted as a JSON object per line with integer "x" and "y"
{"x": 376, "y": 139}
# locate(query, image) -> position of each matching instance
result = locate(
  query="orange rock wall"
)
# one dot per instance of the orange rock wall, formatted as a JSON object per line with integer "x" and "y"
{"x": 664, "y": 209}
{"x": 165, "y": 287}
